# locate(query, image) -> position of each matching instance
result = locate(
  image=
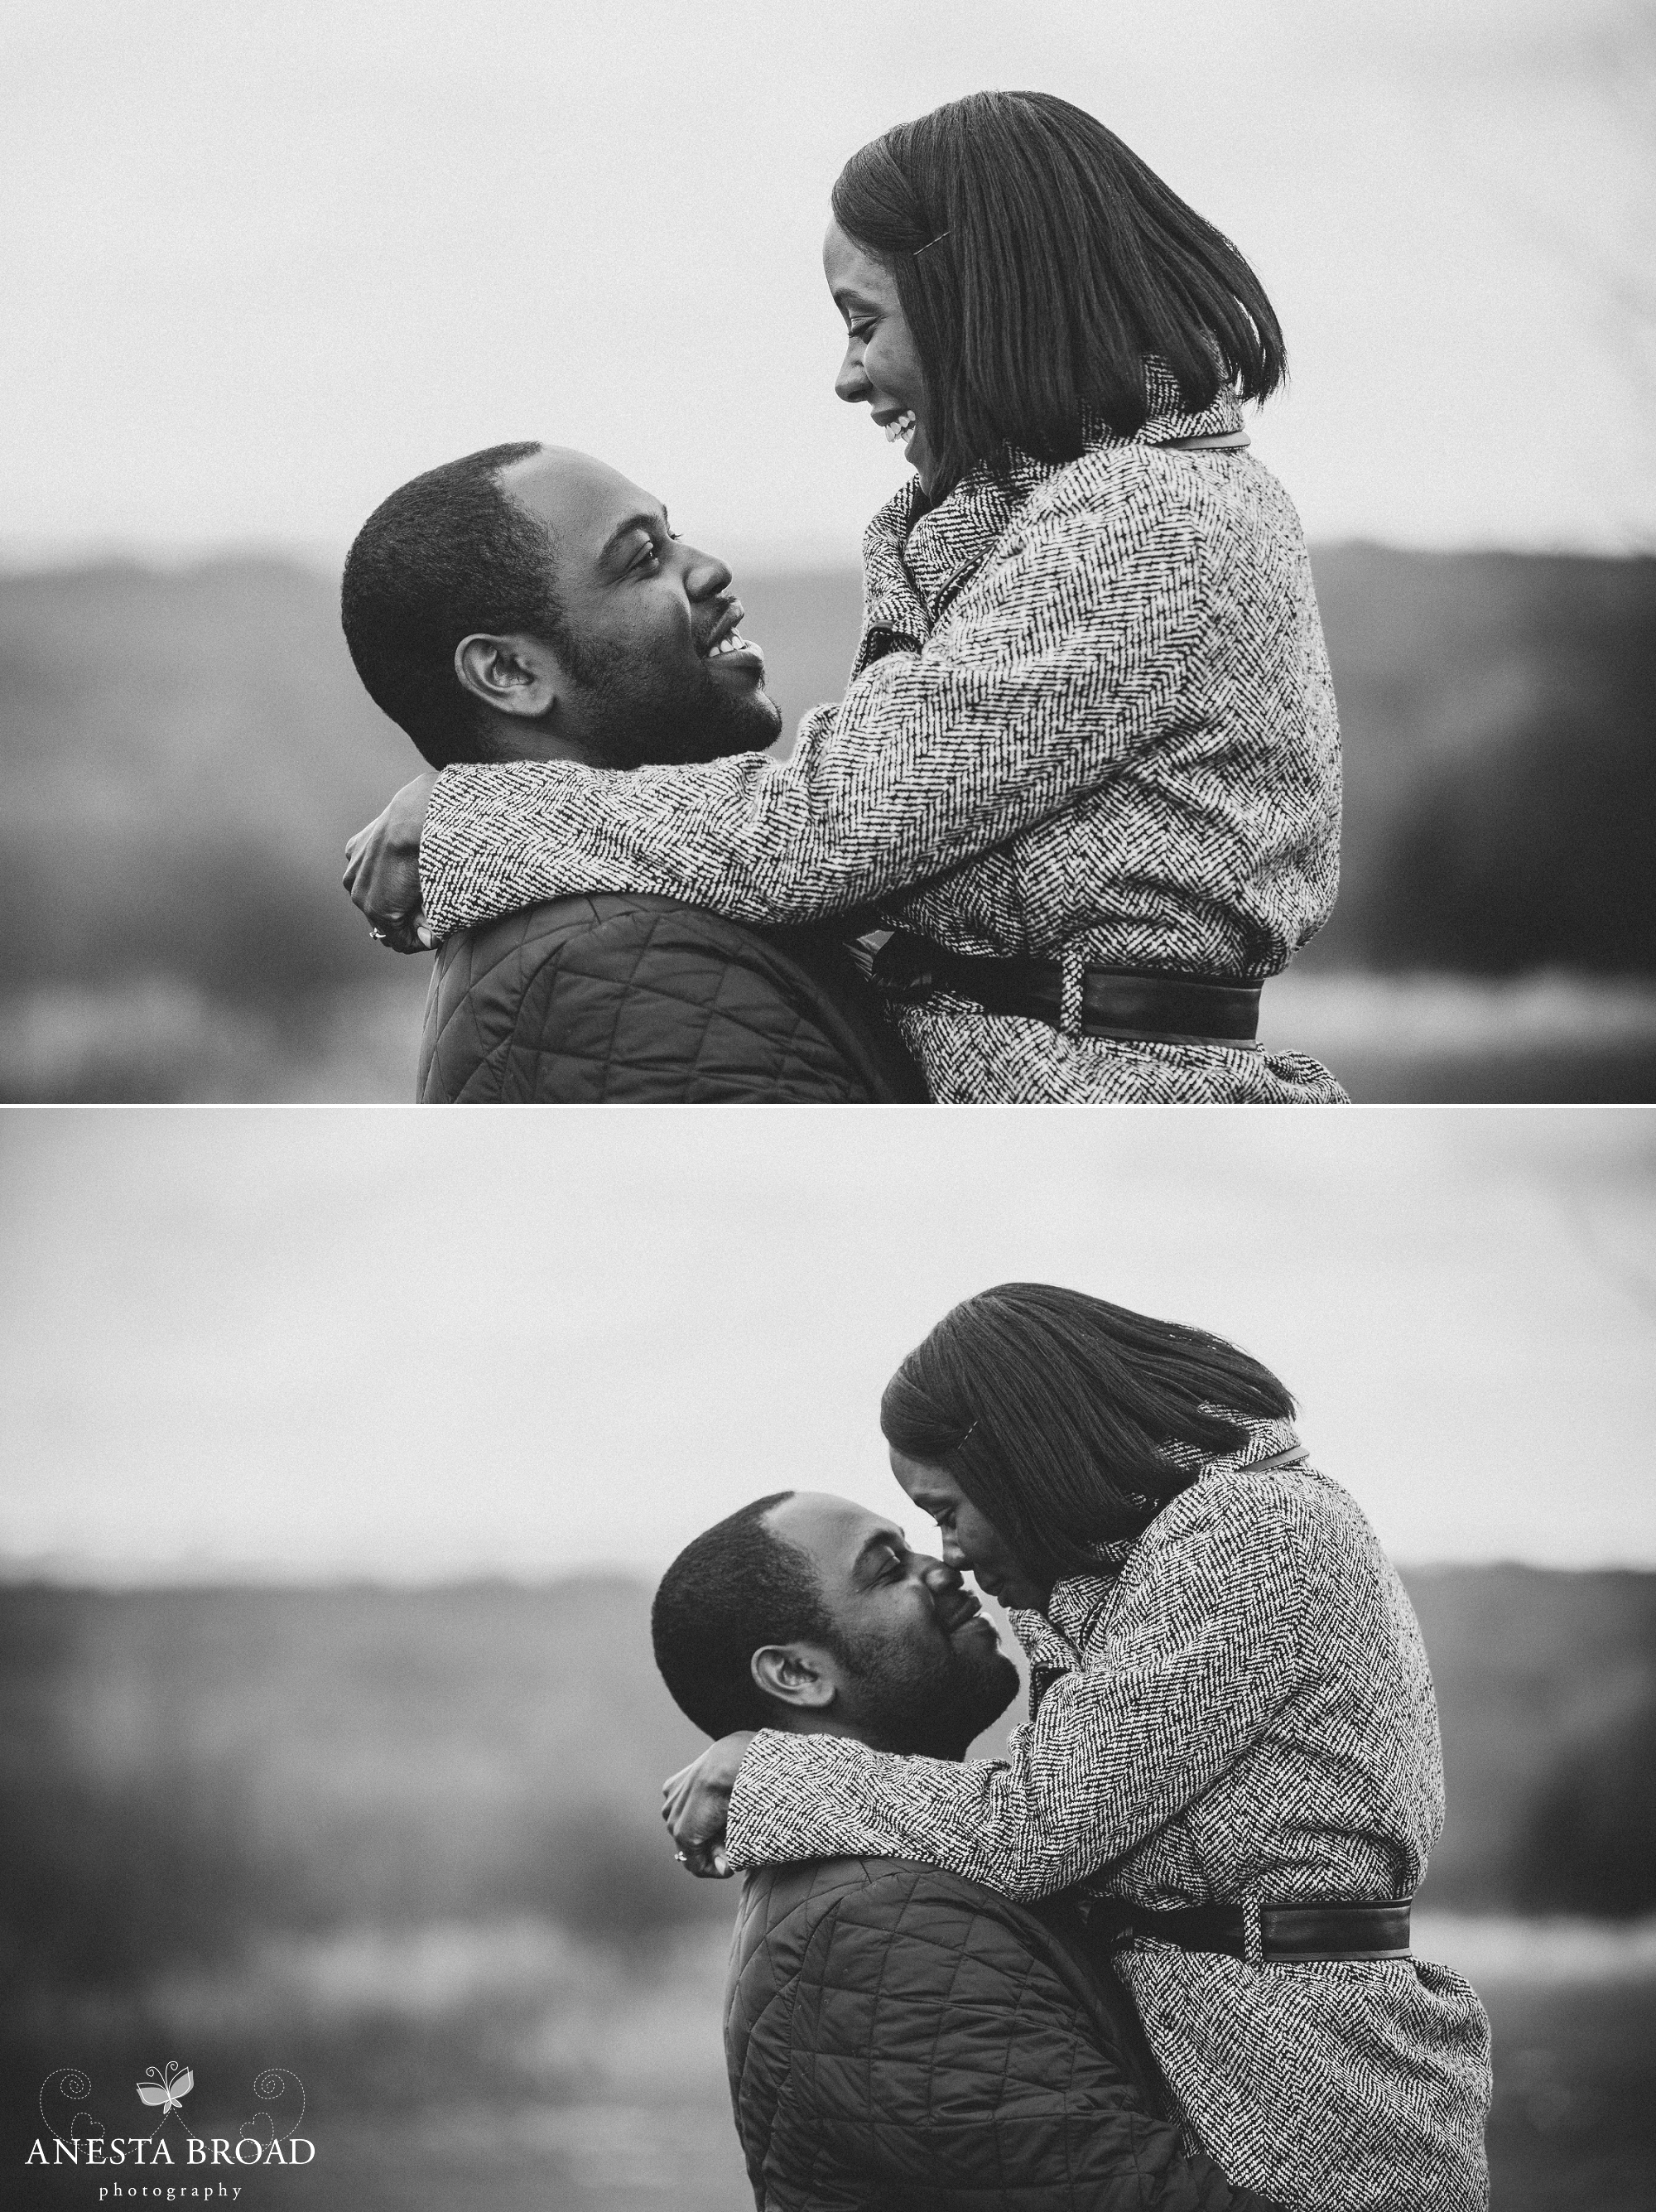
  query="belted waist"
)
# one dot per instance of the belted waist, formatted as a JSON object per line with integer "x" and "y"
{"x": 1115, "y": 1002}
{"x": 1319, "y": 1929}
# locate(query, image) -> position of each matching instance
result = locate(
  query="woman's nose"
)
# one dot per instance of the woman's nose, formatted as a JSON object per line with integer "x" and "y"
{"x": 851, "y": 383}
{"x": 953, "y": 1557}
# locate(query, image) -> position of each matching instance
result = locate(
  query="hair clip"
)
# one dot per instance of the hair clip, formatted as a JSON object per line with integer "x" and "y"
{"x": 919, "y": 250}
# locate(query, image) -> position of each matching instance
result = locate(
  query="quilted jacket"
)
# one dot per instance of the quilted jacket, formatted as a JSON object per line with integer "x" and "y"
{"x": 900, "y": 2039}
{"x": 636, "y": 999}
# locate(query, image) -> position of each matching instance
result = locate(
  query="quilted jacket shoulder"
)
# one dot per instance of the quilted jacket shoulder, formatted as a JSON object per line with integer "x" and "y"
{"x": 899, "y": 2037}
{"x": 626, "y": 997}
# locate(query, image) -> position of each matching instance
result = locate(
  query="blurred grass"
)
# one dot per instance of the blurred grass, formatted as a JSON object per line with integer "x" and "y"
{"x": 405, "y": 1844}
{"x": 593, "y": 2085}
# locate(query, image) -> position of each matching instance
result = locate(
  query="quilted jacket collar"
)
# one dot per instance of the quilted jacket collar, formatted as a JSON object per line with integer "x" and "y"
{"x": 916, "y": 558}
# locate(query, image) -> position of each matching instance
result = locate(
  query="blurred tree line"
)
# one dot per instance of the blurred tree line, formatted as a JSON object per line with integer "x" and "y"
{"x": 185, "y": 753}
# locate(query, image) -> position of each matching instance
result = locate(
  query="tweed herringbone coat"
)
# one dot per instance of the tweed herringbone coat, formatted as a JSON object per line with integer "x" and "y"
{"x": 1236, "y": 1709}
{"x": 1090, "y": 720}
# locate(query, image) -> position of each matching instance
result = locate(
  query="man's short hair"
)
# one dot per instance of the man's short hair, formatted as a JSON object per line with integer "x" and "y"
{"x": 448, "y": 554}
{"x": 737, "y": 1588}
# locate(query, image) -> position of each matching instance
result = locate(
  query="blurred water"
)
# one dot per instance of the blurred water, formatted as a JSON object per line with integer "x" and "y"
{"x": 1549, "y": 1037}
{"x": 1491, "y": 1947}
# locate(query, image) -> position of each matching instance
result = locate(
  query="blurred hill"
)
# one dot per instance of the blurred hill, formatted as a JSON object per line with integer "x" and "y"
{"x": 186, "y": 1769}
{"x": 185, "y": 753}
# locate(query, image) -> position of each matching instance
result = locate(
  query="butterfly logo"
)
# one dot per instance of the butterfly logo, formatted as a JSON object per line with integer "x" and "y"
{"x": 167, "y": 2086}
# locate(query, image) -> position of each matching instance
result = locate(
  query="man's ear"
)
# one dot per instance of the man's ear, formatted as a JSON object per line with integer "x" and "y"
{"x": 799, "y": 1674}
{"x": 517, "y": 675}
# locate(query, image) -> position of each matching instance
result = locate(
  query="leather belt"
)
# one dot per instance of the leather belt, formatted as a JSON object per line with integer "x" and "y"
{"x": 1321, "y": 1928}
{"x": 1115, "y": 1002}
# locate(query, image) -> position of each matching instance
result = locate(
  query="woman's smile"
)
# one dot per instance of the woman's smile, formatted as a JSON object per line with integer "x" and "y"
{"x": 882, "y": 367}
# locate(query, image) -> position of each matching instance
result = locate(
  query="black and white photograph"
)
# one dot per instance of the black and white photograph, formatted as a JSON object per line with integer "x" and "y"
{"x": 1089, "y": 565}
{"x": 367, "y": 1586}
{"x": 1055, "y": 554}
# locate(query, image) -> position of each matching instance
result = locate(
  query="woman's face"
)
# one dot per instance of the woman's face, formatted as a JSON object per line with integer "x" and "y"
{"x": 881, "y": 367}
{"x": 970, "y": 1538}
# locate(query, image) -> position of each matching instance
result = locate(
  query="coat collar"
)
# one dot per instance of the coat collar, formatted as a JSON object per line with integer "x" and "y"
{"x": 916, "y": 558}
{"x": 1054, "y": 1640}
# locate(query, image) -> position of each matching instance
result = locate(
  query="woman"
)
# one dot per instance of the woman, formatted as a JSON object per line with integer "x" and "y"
{"x": 1233, "y": 1747}
{"x": 1086, "y": 768}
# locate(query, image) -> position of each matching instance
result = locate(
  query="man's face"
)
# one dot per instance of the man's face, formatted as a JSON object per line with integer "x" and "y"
{"x": 653, "y": 674}
{"x": 923, "y": 1670}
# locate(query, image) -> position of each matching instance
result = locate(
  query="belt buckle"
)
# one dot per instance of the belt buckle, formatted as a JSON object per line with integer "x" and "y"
{"x": 898, "y": 975}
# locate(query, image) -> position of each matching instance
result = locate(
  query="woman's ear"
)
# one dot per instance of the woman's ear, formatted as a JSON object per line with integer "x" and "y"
{"x": 795, "y": 1675}
{"x": 515, "y": 675}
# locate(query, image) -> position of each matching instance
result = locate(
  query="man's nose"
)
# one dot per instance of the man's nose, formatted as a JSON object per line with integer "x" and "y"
{"x": 941, "y": 1574}
{"x": 704, "y": 575}
{"x": 851, "y": 383}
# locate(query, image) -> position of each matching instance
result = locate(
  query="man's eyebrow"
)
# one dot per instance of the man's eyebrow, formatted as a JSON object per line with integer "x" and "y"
{"x": 645, "y": 519}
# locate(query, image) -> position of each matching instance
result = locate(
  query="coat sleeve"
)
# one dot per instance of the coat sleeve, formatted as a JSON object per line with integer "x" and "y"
{"x": 1067, "y": 652}
{"x": 948, "y": 2063}
{"x": 1202, "y": 1647}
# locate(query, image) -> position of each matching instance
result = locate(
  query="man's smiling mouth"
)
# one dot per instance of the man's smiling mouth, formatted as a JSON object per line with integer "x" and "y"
{"x": 725, "y": 642}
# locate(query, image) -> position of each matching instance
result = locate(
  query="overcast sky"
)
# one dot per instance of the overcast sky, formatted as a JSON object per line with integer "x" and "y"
{"x": 300, "y": 1343}
{"x": 262, "y": 262}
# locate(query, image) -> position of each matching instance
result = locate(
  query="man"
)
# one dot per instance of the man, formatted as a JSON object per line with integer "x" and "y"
{"x": 897, "y": 2036}
{"x": 527, "y": 602}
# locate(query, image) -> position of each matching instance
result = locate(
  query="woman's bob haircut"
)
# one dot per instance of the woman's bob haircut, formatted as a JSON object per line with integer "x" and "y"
{"x": 1038, "y": 262}
{"x": 1055, "y": 1412}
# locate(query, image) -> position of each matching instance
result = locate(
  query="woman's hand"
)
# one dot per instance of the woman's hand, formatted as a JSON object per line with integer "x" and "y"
{"x": 382, "y": 869}
{"x": 695, "y": 1801}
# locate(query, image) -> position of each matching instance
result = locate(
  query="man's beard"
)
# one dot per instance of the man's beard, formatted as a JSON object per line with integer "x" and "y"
{"x": 931, "y": 1703}
{"x": 642, "y": 720}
